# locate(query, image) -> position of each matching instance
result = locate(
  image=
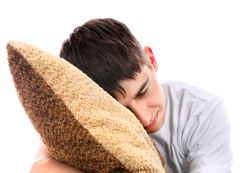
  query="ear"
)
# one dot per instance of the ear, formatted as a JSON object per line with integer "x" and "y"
{"x": 151, "y": 57}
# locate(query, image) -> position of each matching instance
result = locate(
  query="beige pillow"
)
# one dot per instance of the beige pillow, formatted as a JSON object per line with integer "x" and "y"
{"x": 78, "y": 122}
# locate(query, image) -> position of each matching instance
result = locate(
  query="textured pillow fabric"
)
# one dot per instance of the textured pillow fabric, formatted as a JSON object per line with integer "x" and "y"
{"x": 78, "y": 122}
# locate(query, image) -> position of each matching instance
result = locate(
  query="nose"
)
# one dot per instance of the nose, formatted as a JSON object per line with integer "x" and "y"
{"x": 141, "y": 112}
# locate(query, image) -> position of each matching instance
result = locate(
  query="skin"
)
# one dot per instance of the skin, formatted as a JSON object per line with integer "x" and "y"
{"x": 144, "y": 97}
{"x": 44, "y": 163}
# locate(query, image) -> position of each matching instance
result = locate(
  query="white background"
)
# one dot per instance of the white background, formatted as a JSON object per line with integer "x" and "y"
{"x": 205, "y": 43}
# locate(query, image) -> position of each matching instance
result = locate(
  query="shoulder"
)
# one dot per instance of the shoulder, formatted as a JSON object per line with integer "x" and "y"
{"x": 196, "y": 111}
{"x": 179, "y": 90}
{"x": 192, "y": 107}
{"x": 197, "y": 126}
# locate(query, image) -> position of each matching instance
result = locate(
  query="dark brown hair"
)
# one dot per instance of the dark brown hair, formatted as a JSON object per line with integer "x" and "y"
{"x": 106, "y": 51}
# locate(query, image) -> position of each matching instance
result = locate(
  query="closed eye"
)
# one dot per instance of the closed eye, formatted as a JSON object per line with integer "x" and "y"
{"x": 144, "y": 85}
{"x": 143, "y": 93}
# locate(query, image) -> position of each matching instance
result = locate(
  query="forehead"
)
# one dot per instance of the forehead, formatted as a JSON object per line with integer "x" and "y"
{"x": 145, "y": 72}
{"x": 132, "y": 86}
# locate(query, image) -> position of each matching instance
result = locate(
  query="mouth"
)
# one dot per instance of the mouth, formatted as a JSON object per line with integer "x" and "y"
{"x": 153, "y": 123}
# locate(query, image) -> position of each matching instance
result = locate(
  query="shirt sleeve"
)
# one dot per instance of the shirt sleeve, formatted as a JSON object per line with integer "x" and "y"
{"x": 209, "y": 145}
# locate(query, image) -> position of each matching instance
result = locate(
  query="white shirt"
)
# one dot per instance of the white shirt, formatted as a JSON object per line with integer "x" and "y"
{"x": 195, "y": 137}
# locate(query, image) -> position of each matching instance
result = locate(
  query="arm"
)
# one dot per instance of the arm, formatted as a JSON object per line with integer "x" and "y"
{"x": 45, "y": 163}
{"x": 210, "y": 149}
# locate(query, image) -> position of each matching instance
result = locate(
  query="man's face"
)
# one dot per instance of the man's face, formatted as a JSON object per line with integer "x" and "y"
{"x": 145, "y": 98}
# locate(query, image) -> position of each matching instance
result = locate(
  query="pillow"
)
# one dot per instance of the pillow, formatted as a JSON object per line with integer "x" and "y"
{"x": 78, "y": 122}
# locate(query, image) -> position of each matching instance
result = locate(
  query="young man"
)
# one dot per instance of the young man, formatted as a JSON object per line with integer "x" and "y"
{"x": 189, "y": 125}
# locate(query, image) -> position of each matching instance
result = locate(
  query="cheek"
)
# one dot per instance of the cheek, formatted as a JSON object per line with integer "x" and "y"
{"x": 153, "y": 99}
{"x": 156, "y": 97}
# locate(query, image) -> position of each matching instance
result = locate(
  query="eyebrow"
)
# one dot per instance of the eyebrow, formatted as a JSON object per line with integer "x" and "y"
{"x": 142, "y": 87}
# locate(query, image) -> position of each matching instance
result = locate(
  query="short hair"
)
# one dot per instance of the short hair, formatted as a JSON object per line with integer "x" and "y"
{"x": 106, "y": 51}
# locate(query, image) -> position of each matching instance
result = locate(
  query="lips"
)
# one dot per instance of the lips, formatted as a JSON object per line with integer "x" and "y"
{"x": 153, "y": 123}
